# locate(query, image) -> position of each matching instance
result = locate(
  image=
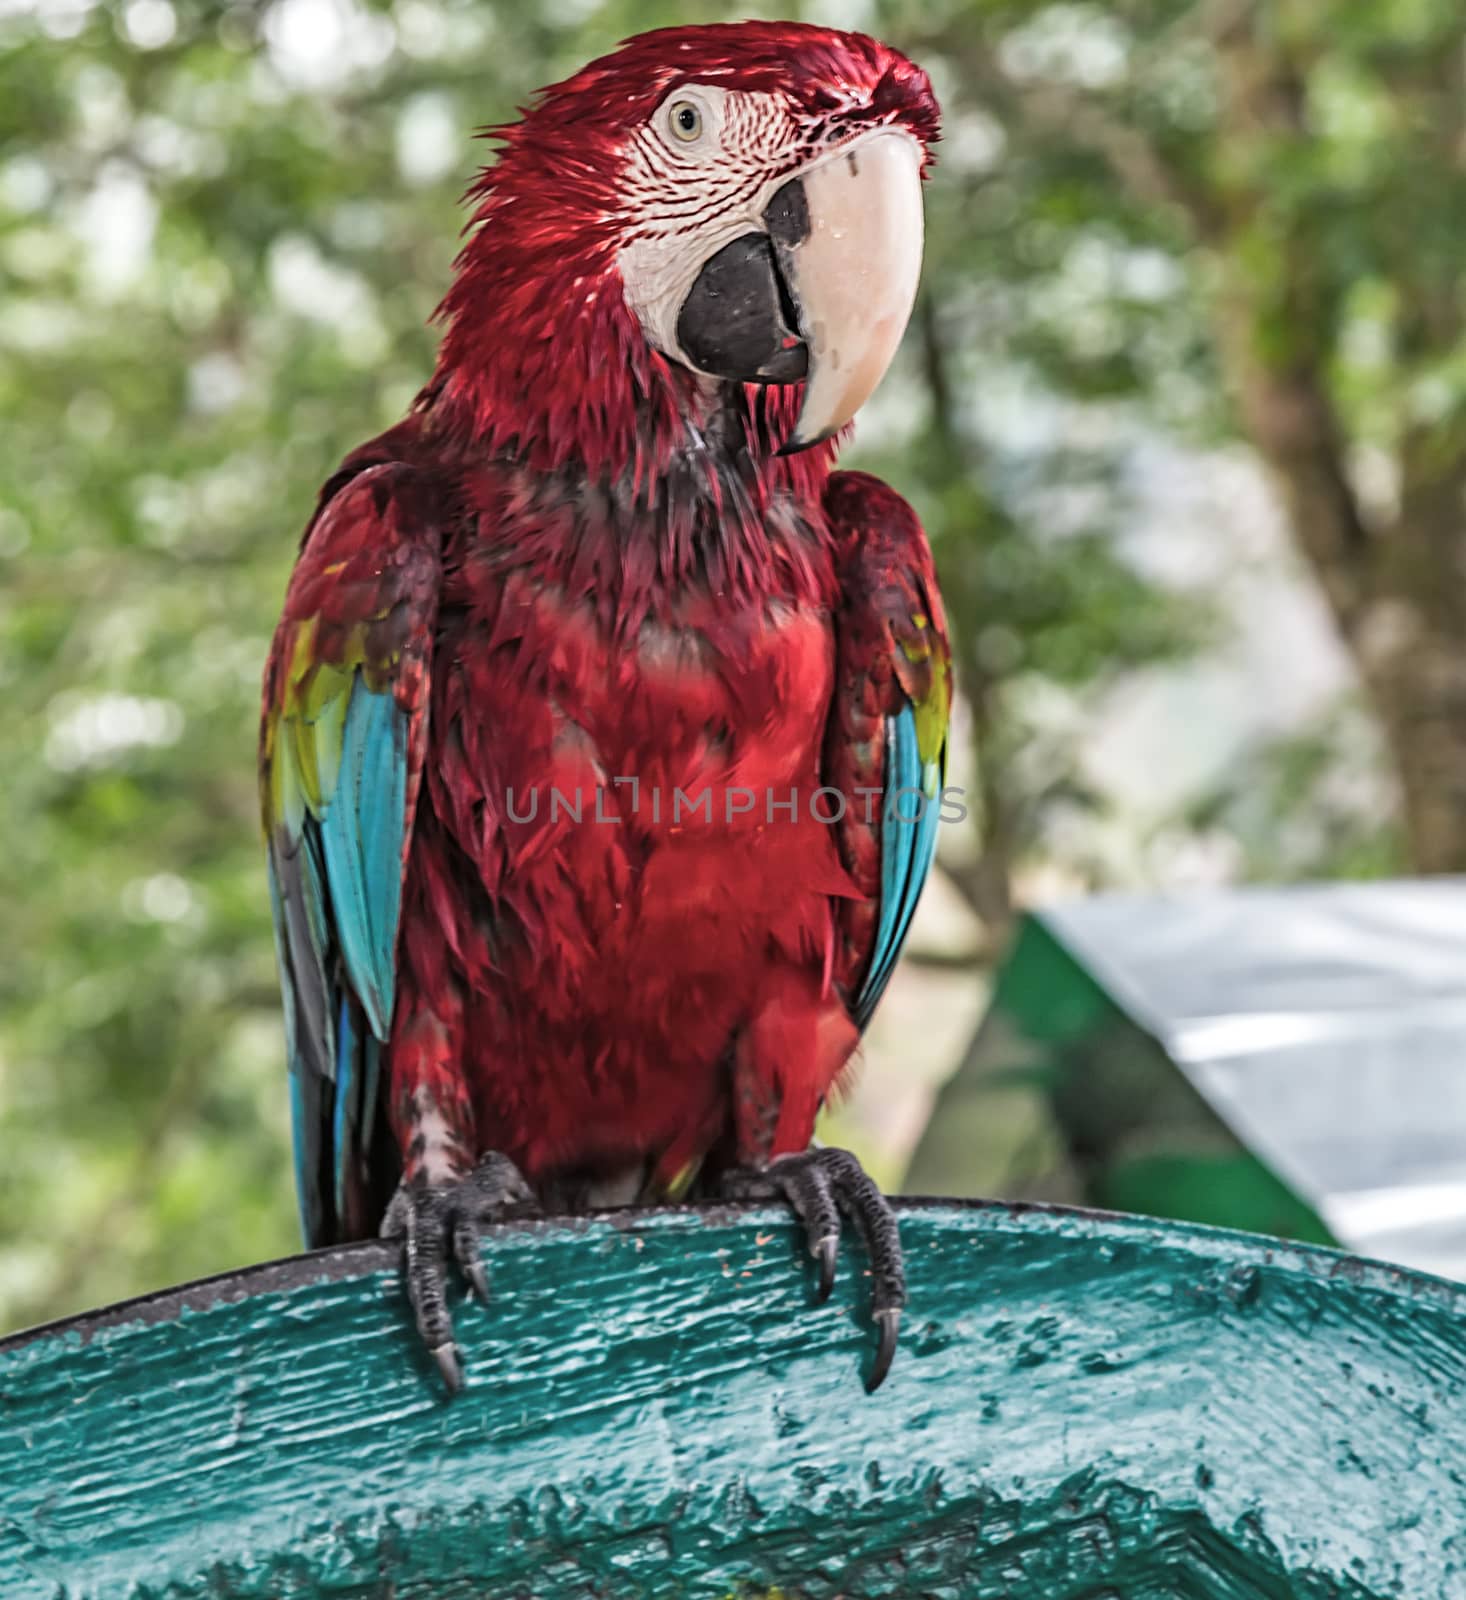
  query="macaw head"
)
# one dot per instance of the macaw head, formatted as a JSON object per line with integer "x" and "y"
{"x": 733, "y": 203}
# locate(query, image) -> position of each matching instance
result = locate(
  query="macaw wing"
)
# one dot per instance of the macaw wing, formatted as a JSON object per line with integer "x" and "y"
{"x": 886, "y": 743}
{"x": 342, "y": 739}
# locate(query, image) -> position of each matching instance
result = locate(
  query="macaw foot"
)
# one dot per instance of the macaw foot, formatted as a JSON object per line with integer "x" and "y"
{"x": 819, "y": 1185}
{"x": 434, "y": 1219}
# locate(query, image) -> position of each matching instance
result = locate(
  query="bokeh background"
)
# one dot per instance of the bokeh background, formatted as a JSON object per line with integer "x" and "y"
{"x": 1182, "y": 405}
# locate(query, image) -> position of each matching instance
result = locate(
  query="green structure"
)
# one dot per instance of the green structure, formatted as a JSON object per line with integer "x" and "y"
{"x": 1084, "y": 1408}
{"x": 1286, "y": 1060}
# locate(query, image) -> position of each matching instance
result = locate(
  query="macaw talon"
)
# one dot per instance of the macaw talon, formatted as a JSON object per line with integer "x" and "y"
{"x": 446, "y": 1356}
{"x": 433, "y": 1218}
{"x": 826, "y": 1250}
{"x": 889, "y": 1324}
{"x": 820, "y": 1186}
{"x": 467, "y": 1254}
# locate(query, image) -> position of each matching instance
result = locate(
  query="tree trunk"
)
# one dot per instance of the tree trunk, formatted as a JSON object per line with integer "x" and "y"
{"x": 1418, "y": 686}
{"x": 1396, "y": 592}
{"x": 1395, "y": 582}
{"x": 1396, "y": 585}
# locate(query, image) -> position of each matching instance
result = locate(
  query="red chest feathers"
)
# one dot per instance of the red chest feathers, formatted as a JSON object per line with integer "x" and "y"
{"x": 637, "y": 799}
{"x": 686, "y": 738}
{"x": 639, "y": 812}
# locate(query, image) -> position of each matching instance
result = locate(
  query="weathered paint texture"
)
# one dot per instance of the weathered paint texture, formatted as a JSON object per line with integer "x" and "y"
{"x": 1105, "y": 1408}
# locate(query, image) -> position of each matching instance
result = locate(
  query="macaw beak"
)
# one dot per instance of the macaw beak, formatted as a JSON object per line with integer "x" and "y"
{"x": 823, "y": 292}
{"x": 853, "y": 275}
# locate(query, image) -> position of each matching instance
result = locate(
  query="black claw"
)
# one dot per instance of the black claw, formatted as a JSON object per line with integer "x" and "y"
{"x": 820, "y": 1186}
{"x": 446, "y": 1355}
{"x": 888, "y": 1323}
{"x": 478, "y": 1281}
{"x": 432, "y": 1218}
{"x": 826, "y": 1251}
{"x": 466, "y": 1247}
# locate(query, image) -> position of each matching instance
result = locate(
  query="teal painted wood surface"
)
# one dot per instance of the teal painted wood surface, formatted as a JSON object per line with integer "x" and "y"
{"x": 1084, "y": 1408}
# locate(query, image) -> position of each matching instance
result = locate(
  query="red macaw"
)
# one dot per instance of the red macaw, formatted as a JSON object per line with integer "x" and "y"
{"x": 604, "y": 728}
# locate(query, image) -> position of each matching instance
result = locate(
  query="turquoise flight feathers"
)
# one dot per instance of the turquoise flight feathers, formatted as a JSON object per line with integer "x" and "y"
{"x": 338, "y": 795}
{"x": 913, "y": 789}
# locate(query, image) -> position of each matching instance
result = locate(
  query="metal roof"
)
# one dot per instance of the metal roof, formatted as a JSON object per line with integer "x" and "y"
{"x": 1326, "y": 1025}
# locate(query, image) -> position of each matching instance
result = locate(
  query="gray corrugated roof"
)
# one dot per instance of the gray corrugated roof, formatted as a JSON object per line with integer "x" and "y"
{"x": 1327, "y": 1025}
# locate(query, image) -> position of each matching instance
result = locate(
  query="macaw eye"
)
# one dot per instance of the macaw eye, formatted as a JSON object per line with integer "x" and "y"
{"x": 685, "y": 121}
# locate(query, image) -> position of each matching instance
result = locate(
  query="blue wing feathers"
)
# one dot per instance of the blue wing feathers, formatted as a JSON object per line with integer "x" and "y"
{"x": 347, "y": 1076}
{"x": 908, "y": 846}
{"x": 305, "y": 1124}
{"x": 307, "y": 1159}
{"x": 297, "y": 885}
{"x": 344, "y": 720}
{"x": 357, "y": 1053}
{"x": 336, "y": 891}
{"x": 898, "y": 841}
{"x": 361, "y": 836}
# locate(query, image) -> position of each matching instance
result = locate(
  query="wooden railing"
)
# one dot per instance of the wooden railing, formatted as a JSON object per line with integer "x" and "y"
{"x": 1082, "y": 1406}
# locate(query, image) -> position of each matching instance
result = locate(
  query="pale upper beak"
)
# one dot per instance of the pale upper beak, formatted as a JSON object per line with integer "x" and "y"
{"x": 853, "y": 277}
{"x": 818, "y": 292}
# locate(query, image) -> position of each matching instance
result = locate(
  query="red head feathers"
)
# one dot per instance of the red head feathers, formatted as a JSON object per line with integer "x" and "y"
{"x": 639, "y": 239}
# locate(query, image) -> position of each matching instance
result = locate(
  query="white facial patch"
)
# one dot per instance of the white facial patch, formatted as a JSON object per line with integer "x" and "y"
{"x": 845, "y": 249}
{"x": 688, "y": 197}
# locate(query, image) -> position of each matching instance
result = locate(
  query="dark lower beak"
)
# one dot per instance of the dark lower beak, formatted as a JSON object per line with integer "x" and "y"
{"x": 739, "y": 320}
{"x": 823, "y": 293}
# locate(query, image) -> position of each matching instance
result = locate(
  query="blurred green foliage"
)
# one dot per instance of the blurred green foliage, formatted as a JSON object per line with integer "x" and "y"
{"x": 1272, "y": 197}
{"x": 223, "y": 228}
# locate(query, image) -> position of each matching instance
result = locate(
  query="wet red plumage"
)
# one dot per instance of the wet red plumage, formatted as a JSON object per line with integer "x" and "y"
{"x": 612, "y": 576}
